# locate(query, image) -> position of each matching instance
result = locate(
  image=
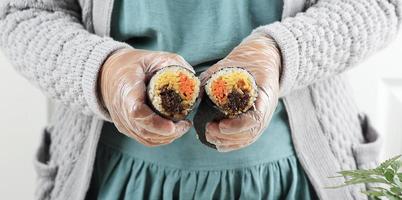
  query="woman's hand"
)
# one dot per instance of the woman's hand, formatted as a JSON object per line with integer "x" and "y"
{"x": 259, "y": 55}
{"x": 123, "y": 88}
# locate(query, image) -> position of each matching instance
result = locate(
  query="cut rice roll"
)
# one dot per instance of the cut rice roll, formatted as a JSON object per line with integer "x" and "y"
{"x": 232, "y": 89}
{"x": 173, "y": 91}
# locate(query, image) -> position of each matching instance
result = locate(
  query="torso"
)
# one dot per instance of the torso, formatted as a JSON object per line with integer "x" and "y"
{"x": 202, "y": 32}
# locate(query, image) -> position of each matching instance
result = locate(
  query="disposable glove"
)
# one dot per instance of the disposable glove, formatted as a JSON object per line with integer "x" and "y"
{"x": 123, "y": 80}
{"x": 258, "y": 54}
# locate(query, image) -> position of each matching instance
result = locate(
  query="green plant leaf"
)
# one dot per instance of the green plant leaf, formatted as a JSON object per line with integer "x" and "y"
{"x": 365, "y": 180}
{"x": 387, "y": 174}
{"x": 397, "y": 181}
{"x": 358, "y": 172}
{"x": 389, "y": 162}
{"x": 396, "y": 165}
{"x": 373, "y": 193}
{"x": 396, "y": 190}
{"x": 391, "y": 196}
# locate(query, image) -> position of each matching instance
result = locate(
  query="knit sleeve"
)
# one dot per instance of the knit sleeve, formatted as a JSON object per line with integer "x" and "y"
{"x": 47, "y": 43}
{"x": 330, "y": 37}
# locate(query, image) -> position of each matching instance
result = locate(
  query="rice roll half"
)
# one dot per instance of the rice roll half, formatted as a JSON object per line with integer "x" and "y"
{"x": 173, "y": 92}
{"x": 232, "y": 89}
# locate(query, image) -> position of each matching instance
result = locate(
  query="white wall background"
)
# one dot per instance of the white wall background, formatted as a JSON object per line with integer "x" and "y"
{"x": 22, "y": 116}
{"x": 377, "y": 85}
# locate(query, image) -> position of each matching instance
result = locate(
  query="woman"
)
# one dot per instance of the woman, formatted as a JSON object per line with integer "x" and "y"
{"x": 94, "y": 57}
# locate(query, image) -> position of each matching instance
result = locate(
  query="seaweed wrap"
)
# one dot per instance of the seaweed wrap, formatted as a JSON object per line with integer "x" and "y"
{"x": 173, "y": 91}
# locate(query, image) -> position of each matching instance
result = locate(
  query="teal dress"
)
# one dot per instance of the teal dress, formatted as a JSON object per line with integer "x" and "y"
{"x": 202, "y": 32}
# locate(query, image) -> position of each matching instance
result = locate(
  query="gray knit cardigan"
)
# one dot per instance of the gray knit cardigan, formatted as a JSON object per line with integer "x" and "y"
{"x": 60, "y": 45}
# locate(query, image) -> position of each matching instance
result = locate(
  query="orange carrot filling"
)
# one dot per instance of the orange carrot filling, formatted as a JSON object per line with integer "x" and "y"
{"x": 186, "y": 86}
{"x": 219, "y": 90}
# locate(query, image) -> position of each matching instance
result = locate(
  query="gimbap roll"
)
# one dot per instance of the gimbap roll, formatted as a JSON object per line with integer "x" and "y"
{"x": 232, "y": 89}
{"x": 173, "y": 91}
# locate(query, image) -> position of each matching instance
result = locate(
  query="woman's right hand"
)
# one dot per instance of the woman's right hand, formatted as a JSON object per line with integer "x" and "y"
{"x": 122, "y": 82}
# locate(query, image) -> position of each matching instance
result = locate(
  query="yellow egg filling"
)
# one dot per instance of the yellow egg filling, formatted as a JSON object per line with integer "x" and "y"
{"x": 225, "y": 84}
{"x": 178, "y": 81}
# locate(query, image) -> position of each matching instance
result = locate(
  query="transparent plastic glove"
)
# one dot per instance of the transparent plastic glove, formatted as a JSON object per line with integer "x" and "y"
{"x": 123, "y": 88}
{"x": 259, "y": 55}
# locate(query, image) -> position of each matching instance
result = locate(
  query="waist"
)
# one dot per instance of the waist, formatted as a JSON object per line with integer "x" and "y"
{"x": 189, "y": 153}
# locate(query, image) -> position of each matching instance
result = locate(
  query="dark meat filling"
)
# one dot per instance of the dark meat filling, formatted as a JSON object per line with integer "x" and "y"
{"x": 171, "y": 101}
{"x": 237, "y": 102}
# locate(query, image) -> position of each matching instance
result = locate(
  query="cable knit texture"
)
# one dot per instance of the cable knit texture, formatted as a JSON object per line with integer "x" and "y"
{"x": 47, "y": 43}
{"x": 332, "y": 36}
{"x": 50, "y": 42}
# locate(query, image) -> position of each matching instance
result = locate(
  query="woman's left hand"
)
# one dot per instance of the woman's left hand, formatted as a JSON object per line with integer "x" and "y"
{"x": 259, "y": 55}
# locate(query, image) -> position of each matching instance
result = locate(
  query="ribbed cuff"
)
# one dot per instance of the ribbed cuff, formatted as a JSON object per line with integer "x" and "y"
{"x": 288, "y": 47}
{"x": 97, "y": 57}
